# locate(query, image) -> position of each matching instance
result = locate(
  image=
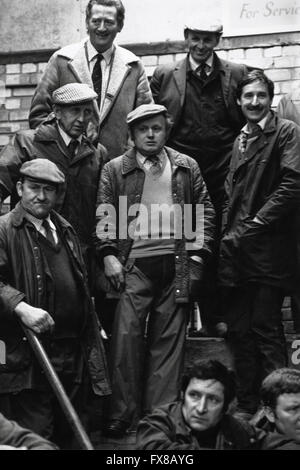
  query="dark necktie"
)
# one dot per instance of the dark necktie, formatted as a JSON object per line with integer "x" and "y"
{"x": 155, "y": 164}
{"x": 73, "y": 147}
{"x": 200, "y": 71}
{"x": 49, "y": 234}
{"x": 97, "y": 77}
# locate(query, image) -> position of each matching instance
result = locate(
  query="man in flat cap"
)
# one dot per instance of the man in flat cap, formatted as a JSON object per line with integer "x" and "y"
{"x": 200, "y": 94}
{"x": 43, "y": 286}
{"x": 154, "y": 234}
{"x": 116, "y": 74}
{"x": 62, "y": 140}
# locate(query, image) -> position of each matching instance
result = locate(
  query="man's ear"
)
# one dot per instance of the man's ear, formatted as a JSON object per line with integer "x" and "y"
{"x": 57, "y": 112}
{"x": 238, "y": 101}
{"x": 269, "y": 414}
{"x": 19, "y": 188}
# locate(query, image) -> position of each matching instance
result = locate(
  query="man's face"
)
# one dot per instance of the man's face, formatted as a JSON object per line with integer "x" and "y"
{"x": 203, "y": 404}
{"x": 74, "y": 118}
{"x": 287, "y": 415}
{"x": 103, "y": 27}
{"x": 255, "y": 101}
{"x": 37, "y": 197}
{"x": 201, "y": 45}
{"x": 150, "y": 135}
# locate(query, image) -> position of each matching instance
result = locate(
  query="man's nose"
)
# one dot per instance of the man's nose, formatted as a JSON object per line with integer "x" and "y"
{"x": 200, "y": 44}
{"x": 101, "y": 25}
{"x": 150, "y": 133}
{"x": 254, "y": 101}
{"x": 41, "y": 194}
{"x": 81, "y": 116}
{"x": 202, "y": 405}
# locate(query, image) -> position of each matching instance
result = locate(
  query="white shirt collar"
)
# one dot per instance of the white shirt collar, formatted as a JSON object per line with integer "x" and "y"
{"x": 261, "y": 124}
{"x": 38, "y": 222}
{"x": 142, "y": 158}
{"x": 194, "y": 65}
{"x": 92, "y": 52}
{"x": 66, "y": 138}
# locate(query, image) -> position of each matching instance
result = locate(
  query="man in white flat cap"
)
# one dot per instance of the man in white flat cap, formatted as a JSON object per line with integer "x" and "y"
{"x": 62, "y": 140}
{"x": 154, "y": 264}
{"x": 43, "y": 285}
{"x": 200, "y": 95}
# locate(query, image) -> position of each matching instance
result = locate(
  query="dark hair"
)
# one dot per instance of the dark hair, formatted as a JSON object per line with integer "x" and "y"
{"x": 277, "y": 383}
{"x": 211, "y": 369}
{"x": 107, "y": 3}
{"x": 255, "y": 76}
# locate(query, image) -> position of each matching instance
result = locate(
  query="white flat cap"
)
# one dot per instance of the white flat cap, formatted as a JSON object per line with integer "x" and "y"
{"x": 145, "y": 111}
{"x": 205, "y": 26}
{"x": 73, "y": 93}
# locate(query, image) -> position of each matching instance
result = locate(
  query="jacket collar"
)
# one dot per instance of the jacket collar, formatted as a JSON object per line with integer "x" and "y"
{"x": 180, "y": 71}
{"x": 129, "y": 161}
{"x": 48, "y": 132}
{"x": 262, "y": 141}
{"x": 120, "y": 67}
{"x": 19, "y": 218}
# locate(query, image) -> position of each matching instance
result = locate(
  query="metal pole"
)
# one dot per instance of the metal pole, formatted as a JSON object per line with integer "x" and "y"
{"x": 59, "y": 391}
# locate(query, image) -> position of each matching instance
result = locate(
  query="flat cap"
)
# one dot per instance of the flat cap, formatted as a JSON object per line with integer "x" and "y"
{"x": 73, "y": 93}
{"x": 145, "y": 111}
{"x": 42, "y": 169}
{"x": 205, "y": 26}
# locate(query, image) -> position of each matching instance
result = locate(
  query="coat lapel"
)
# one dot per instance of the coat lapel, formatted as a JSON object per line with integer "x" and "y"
{"x": 225, "y": 79}
{"x": 79, "y": 66}
{"x": 118, "y": 73}
{"x": 180, "y": 79}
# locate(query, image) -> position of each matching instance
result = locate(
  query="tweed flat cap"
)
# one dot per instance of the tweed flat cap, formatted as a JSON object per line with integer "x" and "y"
{"x": 73, "y": 93}
{"x": 205, "y": 26}
{"x": 42, "y": 169}
{"x": 145, "y": 111}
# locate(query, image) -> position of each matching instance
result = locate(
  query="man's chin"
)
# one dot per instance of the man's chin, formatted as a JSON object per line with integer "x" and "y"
{"x": 199, "y": 427}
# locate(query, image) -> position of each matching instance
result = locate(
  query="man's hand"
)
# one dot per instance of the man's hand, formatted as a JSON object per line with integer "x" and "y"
{"x": 114, "y": 271}
{"x": 34, "y": 318}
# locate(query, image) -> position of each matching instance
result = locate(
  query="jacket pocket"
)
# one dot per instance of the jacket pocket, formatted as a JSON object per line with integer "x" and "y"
{"x": 16, "y": 355}
{"x": 255, "y": 250}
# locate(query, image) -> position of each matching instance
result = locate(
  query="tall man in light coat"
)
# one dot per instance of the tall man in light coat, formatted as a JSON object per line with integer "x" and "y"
{"x": 200, "y": 94}
{"x": 116, "y": 74}
{"x": 257, "y": 253}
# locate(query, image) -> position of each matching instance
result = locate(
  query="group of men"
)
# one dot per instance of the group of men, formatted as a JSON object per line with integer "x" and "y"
{"x": 158, "y": 195}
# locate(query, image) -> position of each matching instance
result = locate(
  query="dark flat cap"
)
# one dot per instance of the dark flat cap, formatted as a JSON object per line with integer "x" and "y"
{"x": 42, "y": 169}
{"x": 205, "y": 26}
{"x": 145, "y": 111}
{"x": 73, "y": 93}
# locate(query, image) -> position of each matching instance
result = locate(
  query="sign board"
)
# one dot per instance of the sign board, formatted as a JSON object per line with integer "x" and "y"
{"x": 247, "y": 17}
